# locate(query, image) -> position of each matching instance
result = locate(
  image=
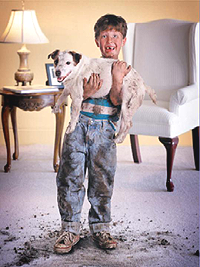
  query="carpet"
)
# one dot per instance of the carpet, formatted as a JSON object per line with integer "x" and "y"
{"x": 152, "y": 226}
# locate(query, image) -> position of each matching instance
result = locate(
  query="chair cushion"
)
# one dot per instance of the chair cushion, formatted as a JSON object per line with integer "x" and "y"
{"x": 156, "y": 120}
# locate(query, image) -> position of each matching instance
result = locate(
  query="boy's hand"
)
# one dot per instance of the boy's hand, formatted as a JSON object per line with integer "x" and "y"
{"x": 119, "y": 71}
{"x": 92, "y": 85}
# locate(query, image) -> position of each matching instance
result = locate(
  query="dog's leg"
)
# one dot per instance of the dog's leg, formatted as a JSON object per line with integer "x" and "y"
{"x": 151, "y": 93}
{"x": 60, "y": 100}
{"x": 146, "y": 88}
{"x": 130, "y": 103}
{"x": 77, "y": 98}
{"x": 124, "y": 128}
{"x": 76, "y": 108}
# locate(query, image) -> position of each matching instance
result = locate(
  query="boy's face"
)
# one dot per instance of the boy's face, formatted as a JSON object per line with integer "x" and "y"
{"x": 110, "y": 42}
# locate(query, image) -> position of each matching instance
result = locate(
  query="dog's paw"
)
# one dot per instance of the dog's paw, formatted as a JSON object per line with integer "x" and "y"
{"x": 56, "y": 109}
{"x": 119, "y": 139}
{"x": 121, "y": 135}
{"x": 70, "y": 128}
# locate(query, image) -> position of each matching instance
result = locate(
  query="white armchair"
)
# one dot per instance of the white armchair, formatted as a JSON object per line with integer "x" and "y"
{"x": 165, "y": 53}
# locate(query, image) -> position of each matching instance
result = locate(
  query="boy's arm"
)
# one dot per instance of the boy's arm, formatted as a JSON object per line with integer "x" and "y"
{"x": 91, "y": 86}
{"x": 119, "y": 70}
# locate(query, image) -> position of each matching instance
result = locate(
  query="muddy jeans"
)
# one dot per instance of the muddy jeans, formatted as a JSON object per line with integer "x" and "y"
{"x": 91, "y": 147}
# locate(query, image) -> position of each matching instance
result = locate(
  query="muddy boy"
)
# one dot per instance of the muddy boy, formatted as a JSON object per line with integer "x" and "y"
{"x": 91, "y": 147}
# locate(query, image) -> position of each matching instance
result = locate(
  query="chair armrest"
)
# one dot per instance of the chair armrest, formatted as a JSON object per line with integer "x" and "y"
{"x": 182, "y": 96}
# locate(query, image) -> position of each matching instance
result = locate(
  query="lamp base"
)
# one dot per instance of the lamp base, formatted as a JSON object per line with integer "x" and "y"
{"x": 23, "y": 74}
{"x": 24, "y": 77}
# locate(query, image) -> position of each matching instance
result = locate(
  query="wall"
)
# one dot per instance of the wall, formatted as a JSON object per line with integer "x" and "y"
{"x": 69, "y": 25}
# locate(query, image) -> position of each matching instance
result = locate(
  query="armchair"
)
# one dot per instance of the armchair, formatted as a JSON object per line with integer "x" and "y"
{"x": 165, "y": 53}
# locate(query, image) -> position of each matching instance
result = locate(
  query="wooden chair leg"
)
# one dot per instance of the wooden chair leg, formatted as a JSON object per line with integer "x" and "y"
{"x": 170, "y": 145}
{"x": 195, "y": 137}
{"x": 135, "y": 148}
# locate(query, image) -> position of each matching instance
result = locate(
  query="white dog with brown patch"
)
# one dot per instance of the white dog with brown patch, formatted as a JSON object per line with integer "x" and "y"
{"x": 71, "y": 68}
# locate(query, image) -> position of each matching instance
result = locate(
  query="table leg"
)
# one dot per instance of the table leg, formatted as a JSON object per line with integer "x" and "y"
{"x": 59, "y": 129}
{"x": 5, "y": 123}
{"x": 14, "y": 124}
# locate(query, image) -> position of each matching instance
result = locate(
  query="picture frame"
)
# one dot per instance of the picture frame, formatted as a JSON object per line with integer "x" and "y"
{"x": 51, "y": 76}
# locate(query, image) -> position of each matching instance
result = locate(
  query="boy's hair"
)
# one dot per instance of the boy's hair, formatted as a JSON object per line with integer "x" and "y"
{"x": 109, "y": 22}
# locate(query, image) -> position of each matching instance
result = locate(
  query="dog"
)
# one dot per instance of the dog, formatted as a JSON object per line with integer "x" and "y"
{"x": 71, "y": 68}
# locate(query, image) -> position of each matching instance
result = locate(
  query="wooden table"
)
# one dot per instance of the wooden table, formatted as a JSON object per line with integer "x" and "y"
{"x": 29, "y": 102}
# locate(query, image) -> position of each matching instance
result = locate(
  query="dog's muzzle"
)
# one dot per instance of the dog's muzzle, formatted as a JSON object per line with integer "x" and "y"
{"x": 61, "y": 78}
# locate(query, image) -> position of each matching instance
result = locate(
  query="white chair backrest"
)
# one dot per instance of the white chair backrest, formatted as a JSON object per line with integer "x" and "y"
{"x": 163, "y": 52}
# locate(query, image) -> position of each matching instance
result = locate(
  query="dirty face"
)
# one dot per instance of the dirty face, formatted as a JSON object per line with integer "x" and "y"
{"x": 110, "y": 43}
{"x": 64, "y": 63}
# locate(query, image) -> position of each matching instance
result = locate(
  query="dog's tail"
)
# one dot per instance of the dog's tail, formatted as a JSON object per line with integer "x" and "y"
{"x": 151, "y": 93}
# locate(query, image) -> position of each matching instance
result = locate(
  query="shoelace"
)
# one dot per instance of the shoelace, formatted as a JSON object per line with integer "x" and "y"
{"x": 104, "y": 235}
{"x": 68, "y": 235}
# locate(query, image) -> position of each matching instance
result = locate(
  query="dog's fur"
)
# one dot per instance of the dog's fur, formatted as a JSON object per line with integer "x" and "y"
{"x": 71, "y": 68}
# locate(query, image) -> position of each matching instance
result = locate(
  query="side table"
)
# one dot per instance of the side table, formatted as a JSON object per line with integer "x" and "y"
{"x": 29, "y": 102}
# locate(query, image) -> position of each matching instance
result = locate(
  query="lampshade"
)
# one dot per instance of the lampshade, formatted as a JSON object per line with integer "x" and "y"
{"x": 23, "y": 28}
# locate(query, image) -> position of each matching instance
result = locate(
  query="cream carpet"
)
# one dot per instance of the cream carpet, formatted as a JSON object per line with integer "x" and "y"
{"x": 153, "y": 227}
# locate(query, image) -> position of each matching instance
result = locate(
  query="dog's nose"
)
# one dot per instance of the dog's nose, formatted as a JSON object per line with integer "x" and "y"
{"x": 58, "y": 73}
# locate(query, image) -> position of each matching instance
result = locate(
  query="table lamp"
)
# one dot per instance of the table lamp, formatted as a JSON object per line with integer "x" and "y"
{"x": 23, "y": 28}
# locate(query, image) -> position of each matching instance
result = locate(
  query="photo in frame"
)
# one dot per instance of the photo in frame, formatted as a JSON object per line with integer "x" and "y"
{"x": 51, "y": 76}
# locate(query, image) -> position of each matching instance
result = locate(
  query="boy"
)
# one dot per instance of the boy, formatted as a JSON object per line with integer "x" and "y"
{"x": 91, "y": 146}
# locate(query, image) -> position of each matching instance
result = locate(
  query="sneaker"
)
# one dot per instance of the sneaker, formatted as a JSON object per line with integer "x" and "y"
{"x": 65, "y": 242}
{"x": 104, "y": 240}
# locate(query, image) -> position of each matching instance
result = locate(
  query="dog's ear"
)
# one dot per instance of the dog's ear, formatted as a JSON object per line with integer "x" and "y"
{"x": 76, "y": 57}
{"x": 54, "y": 54}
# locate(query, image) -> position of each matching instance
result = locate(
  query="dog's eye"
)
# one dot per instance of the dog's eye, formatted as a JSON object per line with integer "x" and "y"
{"x": 68, "y": 63}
